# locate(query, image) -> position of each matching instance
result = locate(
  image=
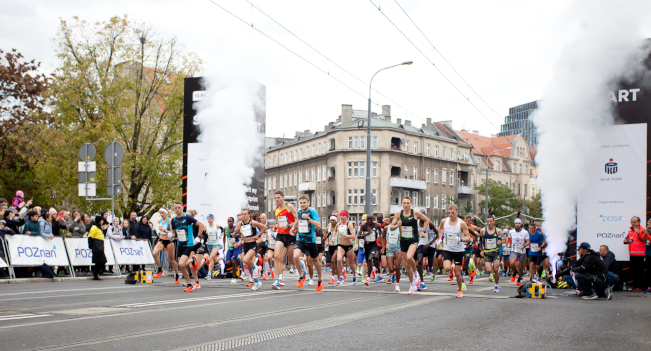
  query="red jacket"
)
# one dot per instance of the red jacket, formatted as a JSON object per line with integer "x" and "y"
{"x": 637, "y": 238}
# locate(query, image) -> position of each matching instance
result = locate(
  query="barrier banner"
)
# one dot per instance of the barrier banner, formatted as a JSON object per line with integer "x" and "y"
{"x": 81, "y": 255}
{"x": 132, "y": 252}
{"x": 28, "y": 251}
{"x": 3, "y": 264}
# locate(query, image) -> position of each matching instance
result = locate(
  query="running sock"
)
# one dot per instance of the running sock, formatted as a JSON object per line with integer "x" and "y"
{"x": 222, "y": 266}
{"x": 281, "y": 276}
{"x": 266, "y": 267}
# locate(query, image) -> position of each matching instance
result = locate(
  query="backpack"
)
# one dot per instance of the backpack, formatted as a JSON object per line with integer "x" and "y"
{"x": 46, "y": 271}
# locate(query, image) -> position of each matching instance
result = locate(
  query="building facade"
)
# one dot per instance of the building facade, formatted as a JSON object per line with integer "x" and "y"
{"x": 432, "y": 164}
{"x": 519, "y": 121}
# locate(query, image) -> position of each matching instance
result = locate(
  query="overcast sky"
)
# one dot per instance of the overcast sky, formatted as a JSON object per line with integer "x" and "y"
{"x": 505, "y": 50}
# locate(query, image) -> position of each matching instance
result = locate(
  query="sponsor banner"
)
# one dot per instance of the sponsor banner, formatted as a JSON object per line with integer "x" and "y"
{"x": 614, "y": 188}
{"x": 132, "y": 252}
{"x": 81, "y": 255}
{"x": 26, "y": 251}
{"x": 3, "y": 264}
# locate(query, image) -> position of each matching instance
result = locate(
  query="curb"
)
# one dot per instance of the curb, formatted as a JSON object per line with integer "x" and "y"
{"x": 65, "y": 279}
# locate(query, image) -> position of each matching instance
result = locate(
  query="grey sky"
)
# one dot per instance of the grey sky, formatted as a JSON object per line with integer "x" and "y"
{"x": 504, "y": 49}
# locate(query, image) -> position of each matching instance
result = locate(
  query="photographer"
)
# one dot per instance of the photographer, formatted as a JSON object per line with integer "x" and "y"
{"x": 590, "y": 270}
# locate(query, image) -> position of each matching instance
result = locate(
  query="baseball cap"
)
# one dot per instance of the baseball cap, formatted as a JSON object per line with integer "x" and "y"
{"x": 517, "y": 220}
{"x": 11, "y": 208}
{"x": 584, "y": 246}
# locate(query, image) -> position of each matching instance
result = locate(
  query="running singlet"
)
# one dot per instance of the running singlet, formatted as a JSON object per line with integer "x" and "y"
{"x": 490, "y": 241}
{"x": 285, "y": 218}
{"x": 372, "y": 237}
{"x": 451, "y": 235}
{"x": 392, "y": 238}
{"x": 229, "y": 238}
{"x": 272, "y": 239}
{"x": 409, "y": 226}
{"x": 333, "y": 238}
{"x": 319, "y": 238}
{"x": 517, "y": 240}
{"x": 379, "y": 237}
{"x": 164, "y": 226}
{"x": 424, "y": 236}
{"x": 212, "y": 235}
{"x": 248, "y": 230}
{"x": 182, "y": 227}
{"x": 305, "y": 228}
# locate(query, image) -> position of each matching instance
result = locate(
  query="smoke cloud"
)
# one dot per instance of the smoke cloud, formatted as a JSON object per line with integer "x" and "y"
{"x": 599, "y": 40}
{"x": 226, "y": 117}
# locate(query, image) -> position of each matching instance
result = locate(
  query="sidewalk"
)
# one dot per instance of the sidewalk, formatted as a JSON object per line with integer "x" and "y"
{"x": 57, "y": 279}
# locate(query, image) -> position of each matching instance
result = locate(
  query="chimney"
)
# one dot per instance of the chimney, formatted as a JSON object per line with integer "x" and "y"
{"x": 475, "y": 132}
{"x": 387, "y": 118}
{"x": 429, "y": 121}
{"x": 407, "y": 122}
{"x": 373, "y": 114}
{"x": 307, "y": 132}
{"x": 423, "y": 125}
{"x": 386, "y": 112}
{"x": 464, "y": 130}
{"x": 399, "y": 121}
{"x": 346, "y": 114}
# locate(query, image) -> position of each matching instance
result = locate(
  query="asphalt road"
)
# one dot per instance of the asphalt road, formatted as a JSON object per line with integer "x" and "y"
{"x": 110, "y": 315}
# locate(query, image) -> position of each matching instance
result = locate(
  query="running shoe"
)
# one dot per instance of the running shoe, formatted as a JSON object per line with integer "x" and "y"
{"x": 177, "y": 281}
{"x": 388, "y": 280}
{"x": 490, "y": 278}
{"x": 233, "y": 281}
{"x": 513, "y": 278}
{"x": 422, "y": 287}
{"x": 590, "y": 297}
{"x": 332, "y": 281}
{"x": 412, "y": 287}
{"x": 473, "y": 274}
{"x": 273, "y": 274}
{"x": 397, "y": 288}
{"x": 301, "y": 281}
{"x": 367, "y": 282}
{"x": 340, "y": 282}
{"x": 472, "y": 281}
{"x": 378, "y": 279}
{"x": 354, "y": 280}
{"x": 496, "y": 289}
{"x": 159, "y": 274}
{"x": 459, "y": 293}
{"x": 196, "y": 286}
{"x": 195, "y": 263}
{"x": 310, "y": 282}
{"x": 256, "y": 285}
{"x": 250, "y": 284}
{"x": 291, "y": 270}
{"x": 275, "y": 285}
{"x": 319, "y": 285}
{"x": 518, "y": 284}
{"x": 281, "y": 282}
{"x": 344, "y": 275}
{"x": 266, "y": 275}
{"x": 433, "y": 278}
{"x": 609, "y": 293}
{"x": 363, "y": 280}
{"x": 463, "y": 286}
{"x": 393, "y": 278}
{"x": 373, "y": 275}
{"x": 450, "y": 279}
{"x": 208, "y": 277}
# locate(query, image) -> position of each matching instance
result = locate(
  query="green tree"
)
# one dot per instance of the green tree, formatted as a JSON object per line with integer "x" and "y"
{"x": 534, "y": 206}
{"x": 501, "y": 200}
{"x": 22, "y": 117}
{"x": 118, "y": 81}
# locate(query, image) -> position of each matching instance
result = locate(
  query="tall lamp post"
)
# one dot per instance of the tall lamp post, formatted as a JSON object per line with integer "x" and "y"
{"x": 369, "y": 205}
{"x": 486, "y": 185}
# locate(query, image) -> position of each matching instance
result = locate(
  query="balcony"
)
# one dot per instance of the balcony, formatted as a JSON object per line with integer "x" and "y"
{"x": 396, "y": 208}
{"x": 416, "y": 184}
{"x": 307, "y": 186}
{"x": 465, "y": 190}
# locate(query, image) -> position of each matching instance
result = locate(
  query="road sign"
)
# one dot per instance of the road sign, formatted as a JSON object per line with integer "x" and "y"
{"x": 92, "y": 189}
{"x": 114, "y": 153}
{"x": 87, "y": 166}
{"x": 113, "y": 181}
{"x": 89, "y": 177}
{"x": 87, "y": 152}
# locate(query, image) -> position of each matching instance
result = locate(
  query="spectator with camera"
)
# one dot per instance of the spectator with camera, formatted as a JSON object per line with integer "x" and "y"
{"x": 590, "y": 271}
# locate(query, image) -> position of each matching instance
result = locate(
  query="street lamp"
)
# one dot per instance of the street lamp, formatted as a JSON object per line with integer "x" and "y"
{"x": 369, "y": 205}
{"x": 486, "y": 185}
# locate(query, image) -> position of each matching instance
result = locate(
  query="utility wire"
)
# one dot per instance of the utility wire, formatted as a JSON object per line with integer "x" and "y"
{"x": 433, "y": 65}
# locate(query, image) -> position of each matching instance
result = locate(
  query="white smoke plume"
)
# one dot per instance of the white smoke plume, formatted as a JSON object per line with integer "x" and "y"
{"x": 226, "y": 117}
{"x": 599, "y": 39}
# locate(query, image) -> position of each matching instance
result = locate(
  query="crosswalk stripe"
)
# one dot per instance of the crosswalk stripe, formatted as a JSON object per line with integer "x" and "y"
{"x": 23, "y": 316}
{"x": 204, "y": 298}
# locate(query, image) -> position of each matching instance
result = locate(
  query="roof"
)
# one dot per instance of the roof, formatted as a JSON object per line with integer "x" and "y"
{"x": 448, "y": 132}
{"x": 483, "y": 145}
{"x": 533, "y": 151}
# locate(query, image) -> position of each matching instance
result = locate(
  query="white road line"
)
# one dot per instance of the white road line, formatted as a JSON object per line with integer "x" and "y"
{"x": 70, "y": 290}
{"x": 168, "y": 302}
{"x": 23, "y": 316}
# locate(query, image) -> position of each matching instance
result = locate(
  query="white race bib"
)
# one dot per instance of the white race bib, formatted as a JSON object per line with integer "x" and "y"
{"x": 407, "y": 232}
{"x": 370, "y": 238}
{"x": 272, "y": 240}
{"x": 212, "y": 236}
{"x": 246, "y": 230}
{"x": 533, "y": 247}
{"x": 491, "y": 244}
{"x": 451, "y": 239}
{"x": 517, "y": 247}
{"x": 182, "y": 235}
{"x": 318, "y": 240}
{"x": 393, "y": 238}
{"x": 342, "y": 229}
{"x": 333, "y": 239}
{"x": 303, "y": 226}
{"x": 231, "y": 241}
{"x": 282, "y": 221}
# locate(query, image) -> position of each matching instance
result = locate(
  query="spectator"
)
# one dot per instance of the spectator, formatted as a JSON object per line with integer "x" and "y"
{"x": 96, "y": 244}
{"x": 12, "y": 221}
{"x": 126, "y": 232}
{"x": 56, "y": 221}
{"x": 76, "y": 227}
{"x": 114, "y": 232}
{"x": 45, "y": 226}
{"x": 19, "y": 200}
{"x": 611, "y": 264}
{"x": 5, "y": 230}
{"x": 636, "y": 240}
{"x": 32, "y": 227}
{"x": 3, "y": 207}
{"x": 86, "y": 220}
{"x": 133, "y": 224}
{"x": 144, "y": 228}
{"x": 590, "y": 270}
{"x": 647, "y": 266}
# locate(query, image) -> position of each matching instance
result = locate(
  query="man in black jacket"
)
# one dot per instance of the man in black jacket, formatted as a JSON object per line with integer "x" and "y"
{"x": 611, "y": 264}
{"x": 134, "y": 225}
{"x": 590, "y": 270}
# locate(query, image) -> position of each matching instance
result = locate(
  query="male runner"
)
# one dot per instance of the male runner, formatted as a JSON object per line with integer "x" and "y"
{"x": 346, "y": 237}
{"x": 382, "y": 263}
{"x": 394, "y": 258}
{"x": 247, "y": 228}
{"x": 285, "y": 239}
{"x": 536, "y": 246}
{"x": 320, "y": 245}
{"x": 425, "y": 249}
{"x": 407, "y": 220}
{"x": 165, "y": 236}
{"x": 506, "y": 251}
{"x": 455, "y": 236}
{"x": 233, "y": 248}
{"x": 307, "y": 223}
{"x": 468, "y": 253}
{"x": 368, "y": 234}
{"x": 519, "y": 242}
{"x": 263, "y": 244}
{"x": 332, "y": 241}
{"x": 182, "y": 225}
{"x": 271, "y": 239}
{"x": 492, "y": 239}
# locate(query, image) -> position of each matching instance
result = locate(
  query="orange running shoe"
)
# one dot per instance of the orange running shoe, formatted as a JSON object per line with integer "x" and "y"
{"x": 472, "y": 280}
{"x": 518, "y": 284}
{"x": 195, "y": 263}
{"x": 301, "y": 281}
{"x": 459, "y": 293}
{"x": 273, "y": 274}
{"x": 177, "y": 281}
{"x": 450, "y": 279}
{"x": 158, "y": 275}
{"x": 332, "y": 281}
{"x": 250, "y": 284}
{"x": 193, "y": 287}
{"x": 473, "y": 274}
{"x": 280, "y": 282}
{"x": 344, "y": 274}
{"x": 513, "y": 278}
{"x": 265, "y": 276}
{"x": 319, "y": 285}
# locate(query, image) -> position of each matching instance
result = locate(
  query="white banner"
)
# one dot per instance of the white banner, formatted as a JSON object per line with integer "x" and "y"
{"x": 3, "y": 264}
{"x": 132, "y": 252}
{"x": 26, "y": 250}
{"x": 81, "y": 255}
{"x": 614, "y": 188}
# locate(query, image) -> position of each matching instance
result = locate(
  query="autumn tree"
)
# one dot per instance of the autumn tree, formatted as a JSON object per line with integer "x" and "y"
{"x": 501, "y": 200}
{"x": 119, "y": 81}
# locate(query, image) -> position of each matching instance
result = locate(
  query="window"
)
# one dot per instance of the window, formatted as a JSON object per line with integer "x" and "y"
{"x": 407, "y": 171}
{"x": 427, "y": 201}
{"x": 497, "y": 165}
{"x": 290, "y": 179}
{"x": 362, "y": 197}
{"x": 324, "y": 199}
{"x": 526, "y": 169}
{"x": 325, "y": 145}
{"x": 274, "y": 182}
{"x": 451, "y": 178}
{"x": 281, "y": 181}
{"x": 374, "y": 170}
{"x": 318, "y": 200}
{"x": 356, "y": 143}
{"x": 332, "y": 197}
{"x": 451, "y": 154}
{"x": 458, "y": 155}
{"x": 436, "y": 176}
{"x": 350, "y": 142}
{"x": 324, "y": 174}
{"x": 355, "y": 197}
{"x": 435, "y": 201}
{"x": 444, "y": 152}
{"x": 427, "y": 150}
{"x": 362, "y": 169}
{"x": 442, "y": 177}
{"x": 415, "y": 172}
{"x": 312, "y": 199}
{"x": 436, "y": 151}
{"x": 375, "y": 142}
{"x": 362, "y": 142}
{"x": 300, "y": 177}
{"x": 318, "y": 174}
{"x": 286, "y": 180}
{"x": 307, "y": 151}
{"x": 332, "y": 144}
{"x": 307, "y": 175}
{"x": 350, "y": 169}
{"x": 427, "y": 175}
{"x": 281, "y": 158}
{"x": 374, "y": 197}
{"x": 319, "y": 149}
{"x": 415, "y": 147}
{"x": 275, "y": 164}
{"x": 355, "y": 169}
{"x": 266, "y": 183}
{"x": 295, "y": 179}
{"x": 300, "y": 154}
{"x": 443, "y": 201}
{"x": 414, "y": 198}
{"x": 313, "y": 150}
{"x": 520, "y": 168}
{"x": 313, "y": 174}
{"x": 350, "y": 197}
{"x": 465, "y": 156}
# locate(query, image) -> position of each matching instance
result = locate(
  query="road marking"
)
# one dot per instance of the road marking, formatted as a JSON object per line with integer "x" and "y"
{"x": 202, "y": 325}
{"x": 426, "y": 293}
{"x": 249, "y": 339}
{"x": 22, "y": 316}
{"x": 69, "y": 290}
{"x": 169, "y": 302}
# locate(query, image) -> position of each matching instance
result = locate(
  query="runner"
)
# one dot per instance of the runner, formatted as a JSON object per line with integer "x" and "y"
{"x": 285, "y": 239}
{"x": 470, "y": 249}
{"x": 320, "y": 245}
{"x": 425, "y": 249}
{"x": 271, "y": 238}
{"x": 368, "y": 234}
{"x": 407, "y": 220}
{"x": 307, "y": 223}
{"x": 263, "y": 245}
{"x": 247, "y": 228}
{"x": 453, "y": 245}
{"x": 358, "y": 248}
{"x": 506, "y": 252}
{"x": 181, "y": 224}
{"x": 536, "y": 245}
{"x": 519, "y": 242}
{"x": 234, "y": 249}
{"x": 384, "y": 226}
{"x": 332, "y": 241}
{"x": 394, "y": 258}
{"x": 492, "y": 240}
{"x": 165, "y": 242}
{"x": 215, "y": 246}
{"x": 345, "y": 248}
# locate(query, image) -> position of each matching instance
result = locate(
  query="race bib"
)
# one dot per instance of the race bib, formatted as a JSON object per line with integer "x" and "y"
{"x": 318, "y": 240}
{"x": 451, "y": 239}
{"x": 272, "y": 240}
{"x": 491, "y": 244}
{"x": 370, "y": 238}
{"x": 182, "y": 235}
{"x": 407, "y": 232}
{"x": 212, "y": 236}
{"x": 517, "y": 247}
{"x": 533, "y": 247}
{"x": 231, "y": 241}
{"x": 506, "y": 249}
{"x": 246, "y": 230}
{"x": 342, "y": 229}
{"x": 282, "y": 221}
{"x": 334, "y": 239}
{"x": 303, "y": 226}
{"x": 393, "y": 238}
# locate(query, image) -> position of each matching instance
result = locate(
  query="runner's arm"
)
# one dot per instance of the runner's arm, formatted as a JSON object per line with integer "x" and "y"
{"x": 394, "y": 222}
{"x": 466, "y": 233}
{"x": 420, "y": 215}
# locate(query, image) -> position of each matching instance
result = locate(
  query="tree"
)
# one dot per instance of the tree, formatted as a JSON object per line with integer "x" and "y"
{"x": 501, "y": 200}
{"x": 22, "y": 117}
{"x": 119, "y": 81}
{"x": 534, "y": 206}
